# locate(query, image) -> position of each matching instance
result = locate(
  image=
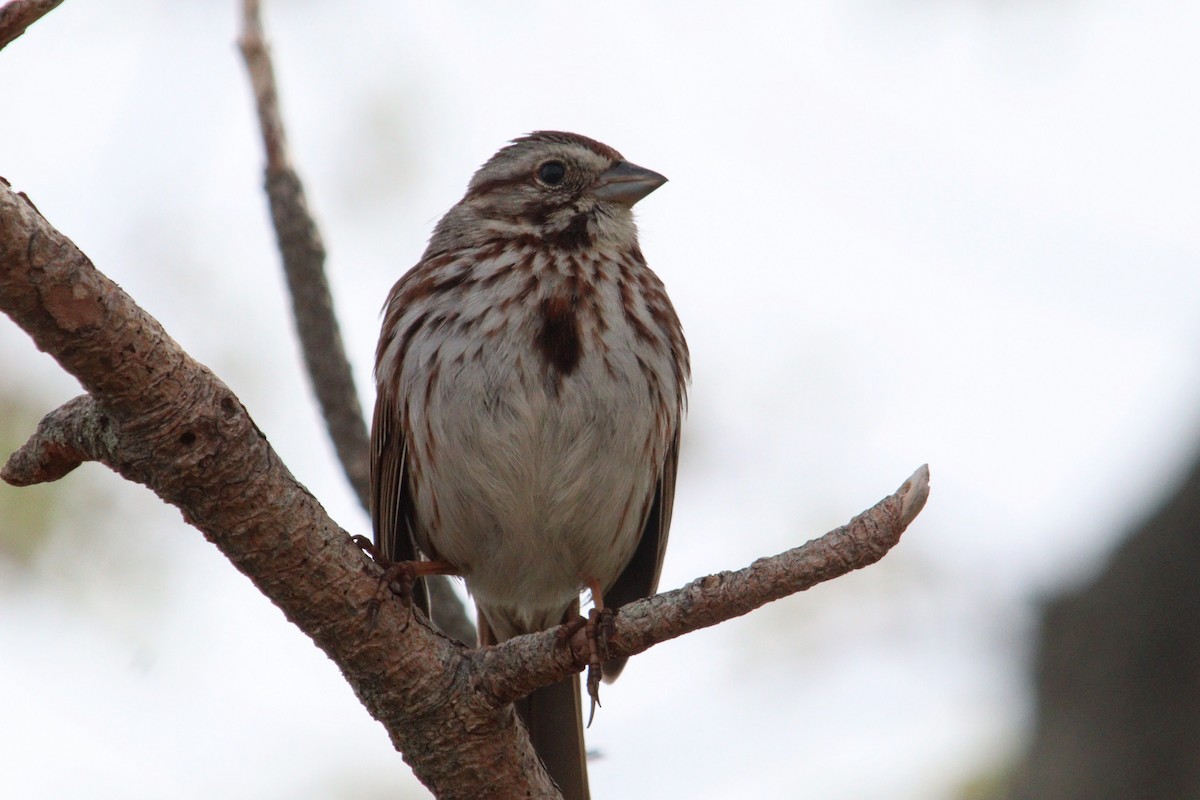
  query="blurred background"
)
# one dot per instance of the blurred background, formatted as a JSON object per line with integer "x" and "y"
{"x": 962, "y": 233}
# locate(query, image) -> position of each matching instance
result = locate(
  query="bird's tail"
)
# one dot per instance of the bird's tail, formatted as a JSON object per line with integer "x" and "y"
{"x": 554, "y": 717}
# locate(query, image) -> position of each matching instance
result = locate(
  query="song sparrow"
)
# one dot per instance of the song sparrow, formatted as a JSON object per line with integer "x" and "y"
{"x": 530, "y": 379}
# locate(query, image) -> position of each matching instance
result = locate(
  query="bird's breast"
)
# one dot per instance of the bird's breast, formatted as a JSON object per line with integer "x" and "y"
{"x": 535, "y": 428}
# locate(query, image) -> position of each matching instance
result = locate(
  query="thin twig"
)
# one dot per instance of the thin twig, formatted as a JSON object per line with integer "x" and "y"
{"x": 17, "y": 16}
{"x": 304, "y": 264}
{"x": 312, "y": 302}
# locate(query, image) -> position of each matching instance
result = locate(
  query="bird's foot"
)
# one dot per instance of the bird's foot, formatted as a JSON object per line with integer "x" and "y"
{"x": 599, "y": 626}
{"x": 399, "y": 577}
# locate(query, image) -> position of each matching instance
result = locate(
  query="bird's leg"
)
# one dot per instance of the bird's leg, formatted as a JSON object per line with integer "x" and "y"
{"x": 399, "y": 577}
{"x": 599, "y": 626}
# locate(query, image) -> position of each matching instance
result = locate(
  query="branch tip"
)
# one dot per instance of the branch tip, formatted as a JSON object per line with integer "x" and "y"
{"x": 517, "y": 666}
{"x": 914, "y": 492}
{"x": 64, "y": 439}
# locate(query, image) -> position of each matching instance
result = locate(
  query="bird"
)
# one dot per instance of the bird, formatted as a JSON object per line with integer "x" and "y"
{"x": 531, "y": 381}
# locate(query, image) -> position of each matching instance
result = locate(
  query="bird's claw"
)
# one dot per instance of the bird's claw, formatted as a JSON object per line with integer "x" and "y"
{"x": 399, "y": 577}
{"x": 599, "y": 626}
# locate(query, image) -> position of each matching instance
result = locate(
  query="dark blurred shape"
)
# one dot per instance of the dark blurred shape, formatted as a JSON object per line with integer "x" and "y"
{"x": 1118, "y": 671}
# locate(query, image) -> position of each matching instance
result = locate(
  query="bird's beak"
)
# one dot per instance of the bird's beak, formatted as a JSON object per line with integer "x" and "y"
{"x": 626, "y": 183}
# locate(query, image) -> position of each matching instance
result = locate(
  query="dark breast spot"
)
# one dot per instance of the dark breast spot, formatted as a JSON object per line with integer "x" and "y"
{"x": 558, "y": 339}
{"x": 574, "y": 237}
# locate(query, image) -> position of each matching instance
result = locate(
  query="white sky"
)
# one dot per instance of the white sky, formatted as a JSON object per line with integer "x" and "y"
{"x": 961, "y": 233}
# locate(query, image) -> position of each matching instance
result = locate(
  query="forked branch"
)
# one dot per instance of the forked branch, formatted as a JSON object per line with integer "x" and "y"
{"x": 159, "y": 418}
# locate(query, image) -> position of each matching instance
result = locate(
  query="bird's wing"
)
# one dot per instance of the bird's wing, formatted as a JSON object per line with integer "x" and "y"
{"x": 391, "y": 499}
{"x": 639, "y": 579}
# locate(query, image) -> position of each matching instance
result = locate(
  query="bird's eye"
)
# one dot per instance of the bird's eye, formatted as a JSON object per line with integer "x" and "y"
{"x": 552, "y": 173}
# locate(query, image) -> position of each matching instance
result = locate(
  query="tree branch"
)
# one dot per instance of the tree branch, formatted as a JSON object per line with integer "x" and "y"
{"x": 516, "y": 667}
{"x": 17, "y": 16}
{"x": 312, "y": 302}
{"x": 159, "y": 418}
